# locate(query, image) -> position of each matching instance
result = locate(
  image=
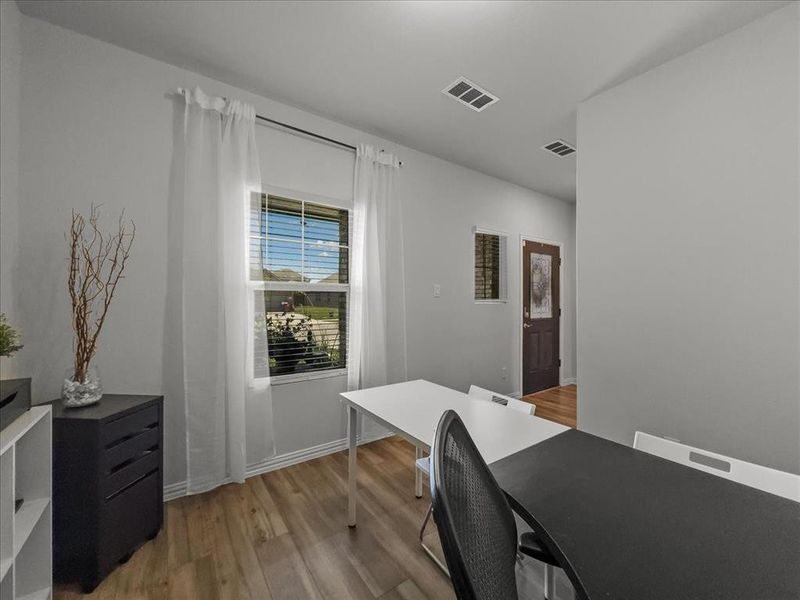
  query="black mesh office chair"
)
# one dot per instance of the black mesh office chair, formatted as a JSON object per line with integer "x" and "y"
{"x": 475, "y": 522}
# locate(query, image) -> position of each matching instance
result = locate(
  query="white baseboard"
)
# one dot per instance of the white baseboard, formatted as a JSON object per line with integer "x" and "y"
{"x": 176, "y": 490}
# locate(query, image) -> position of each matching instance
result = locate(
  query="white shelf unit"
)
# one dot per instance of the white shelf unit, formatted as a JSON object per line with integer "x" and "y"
{"x": 26, "y": 535}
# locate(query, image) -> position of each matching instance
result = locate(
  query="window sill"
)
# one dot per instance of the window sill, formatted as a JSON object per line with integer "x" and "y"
{"x": 491, "y": 301}
{"x": 299, "y": 377}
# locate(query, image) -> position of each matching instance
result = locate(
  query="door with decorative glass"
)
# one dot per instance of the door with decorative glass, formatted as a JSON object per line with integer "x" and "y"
{"x": 541, "y": 316}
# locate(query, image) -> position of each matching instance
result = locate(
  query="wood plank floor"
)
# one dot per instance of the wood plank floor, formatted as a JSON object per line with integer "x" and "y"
{"x": 283, "y": 535}
{"x": 558, "y": 404}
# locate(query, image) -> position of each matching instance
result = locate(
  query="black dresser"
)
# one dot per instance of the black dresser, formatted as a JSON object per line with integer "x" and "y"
{"x": 107, "y": 484}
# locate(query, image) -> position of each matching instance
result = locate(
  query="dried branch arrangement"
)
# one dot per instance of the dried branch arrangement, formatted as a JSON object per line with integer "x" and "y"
{"x": 96, "y": 264}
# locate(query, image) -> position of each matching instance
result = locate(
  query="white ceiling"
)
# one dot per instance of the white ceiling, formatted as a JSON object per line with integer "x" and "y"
{"x": 380, "y": 66}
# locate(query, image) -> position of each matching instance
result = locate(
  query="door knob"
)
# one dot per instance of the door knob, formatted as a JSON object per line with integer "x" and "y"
{"x": 526, "y": 325}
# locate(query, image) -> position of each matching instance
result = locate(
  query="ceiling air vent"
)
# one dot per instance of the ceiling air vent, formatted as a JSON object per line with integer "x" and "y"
{"x": 560, "y": 148}
{"x": 469, "y": 94}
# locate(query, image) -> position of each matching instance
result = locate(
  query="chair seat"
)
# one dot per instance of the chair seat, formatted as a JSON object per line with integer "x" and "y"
{"x": 530, "y": 545}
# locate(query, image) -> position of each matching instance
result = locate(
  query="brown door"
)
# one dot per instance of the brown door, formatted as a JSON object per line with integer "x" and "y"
{"x": 541, "y": 316}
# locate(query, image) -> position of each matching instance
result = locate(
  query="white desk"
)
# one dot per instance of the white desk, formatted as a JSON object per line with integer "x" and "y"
{"x": 412, "y": 410}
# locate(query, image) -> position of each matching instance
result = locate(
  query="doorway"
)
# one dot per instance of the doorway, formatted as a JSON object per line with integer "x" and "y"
{"x": 541, "y": 315}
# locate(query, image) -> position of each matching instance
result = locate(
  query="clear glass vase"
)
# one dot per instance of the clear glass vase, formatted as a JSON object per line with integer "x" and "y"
{"x": 75, "y": 394}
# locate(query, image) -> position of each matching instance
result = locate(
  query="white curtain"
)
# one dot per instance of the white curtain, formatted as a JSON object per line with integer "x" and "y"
{"x": 221, "y": 172}
{"x": 376, "y": 345}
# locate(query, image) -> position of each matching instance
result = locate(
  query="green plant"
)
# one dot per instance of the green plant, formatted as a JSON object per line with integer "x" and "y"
{"x": 9, "y": 338}
{"x": 295, "y": 342}
{"x": 290, "y": 340}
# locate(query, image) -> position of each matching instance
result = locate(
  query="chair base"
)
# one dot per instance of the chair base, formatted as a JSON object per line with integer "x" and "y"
{"x": 425, "y": 547}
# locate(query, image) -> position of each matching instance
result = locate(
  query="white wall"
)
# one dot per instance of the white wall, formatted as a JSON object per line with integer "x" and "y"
{"x": 10, "y": 61}
{"x": 451, "y": 339}
{"x": 98, "y": 125}
{"x": 688, "y": 256}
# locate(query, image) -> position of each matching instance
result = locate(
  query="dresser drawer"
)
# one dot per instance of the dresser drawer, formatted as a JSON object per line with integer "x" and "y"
{"x": 127, "y": 476}
{"x": 117, "y": 431}
{"x": 116, "y": 457}
{"x": 128, "y": 518}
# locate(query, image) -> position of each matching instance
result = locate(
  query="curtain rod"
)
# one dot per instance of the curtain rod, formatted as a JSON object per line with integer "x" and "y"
{"x": 311, "y": 134}
{"x": 299, "y": 130}
{"x": 306, "y": 132}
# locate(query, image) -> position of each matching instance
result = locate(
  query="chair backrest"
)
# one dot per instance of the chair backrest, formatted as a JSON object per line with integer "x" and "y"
{"x": 480, "y": 393}
{"x": 757, "y": 476}
{"x": 473, "y": 517}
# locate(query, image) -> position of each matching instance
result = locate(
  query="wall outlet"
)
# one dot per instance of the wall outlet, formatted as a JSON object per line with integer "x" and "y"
{"x": 504, "y": 371}
{"x": 437, "y": 290}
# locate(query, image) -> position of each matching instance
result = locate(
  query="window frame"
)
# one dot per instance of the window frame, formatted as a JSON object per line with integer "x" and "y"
{"x": 502, "y": 287}
{"x": 299, "y": 286}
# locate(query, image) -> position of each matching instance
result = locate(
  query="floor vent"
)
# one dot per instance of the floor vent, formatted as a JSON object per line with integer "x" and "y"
{"x": 560, "y": 148}
{"x": 470, "y": 94}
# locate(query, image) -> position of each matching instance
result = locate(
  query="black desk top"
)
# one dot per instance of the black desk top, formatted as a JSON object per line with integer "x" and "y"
{"x": 628, "y": 525}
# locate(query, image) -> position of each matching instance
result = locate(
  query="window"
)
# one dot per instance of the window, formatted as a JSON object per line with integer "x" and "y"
{"x": 490, "y": 266}
{"x": 299, "y": 263}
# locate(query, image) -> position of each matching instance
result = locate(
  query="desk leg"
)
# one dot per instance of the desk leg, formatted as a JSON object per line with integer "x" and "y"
{"x": 418, "y": 480}
{"x": 352, "y": 449}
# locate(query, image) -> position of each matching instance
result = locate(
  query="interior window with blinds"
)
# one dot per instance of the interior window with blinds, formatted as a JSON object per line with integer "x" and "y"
{"x": 490, "y": 263}
{"x": 299, "y": 267}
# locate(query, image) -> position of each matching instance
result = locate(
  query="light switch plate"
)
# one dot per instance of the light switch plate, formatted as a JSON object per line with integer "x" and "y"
{"x": 437, "y": 290}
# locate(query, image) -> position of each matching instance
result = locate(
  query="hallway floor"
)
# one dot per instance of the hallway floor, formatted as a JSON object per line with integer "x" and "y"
{"x": 558, "y": 404}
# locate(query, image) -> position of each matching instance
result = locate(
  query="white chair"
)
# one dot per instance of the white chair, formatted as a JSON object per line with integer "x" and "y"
{"x": 480, "y": 393}
{"x": 756, "y": 476}
{"x": 423, "y": 464}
